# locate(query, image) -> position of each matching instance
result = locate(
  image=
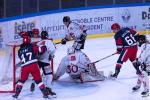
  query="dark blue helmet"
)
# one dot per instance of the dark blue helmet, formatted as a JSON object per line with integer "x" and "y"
{"x": 66, "y": 19}
{"x": 44, "y": 35}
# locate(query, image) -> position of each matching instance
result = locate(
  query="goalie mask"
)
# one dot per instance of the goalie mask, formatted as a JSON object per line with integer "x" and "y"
{"x": 70, "y": 50}
{"x": 141, "y": 39}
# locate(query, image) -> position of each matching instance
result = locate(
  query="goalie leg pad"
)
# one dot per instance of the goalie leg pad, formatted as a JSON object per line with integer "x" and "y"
{"x": 86, "y": 77}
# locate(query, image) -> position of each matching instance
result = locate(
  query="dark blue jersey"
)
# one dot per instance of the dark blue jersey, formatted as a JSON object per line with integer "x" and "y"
{"x": 125, "y": 38}
{"x": 28, "y": 54}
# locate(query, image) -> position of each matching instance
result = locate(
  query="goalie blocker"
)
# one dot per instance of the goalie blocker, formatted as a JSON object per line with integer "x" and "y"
{"x": 79, "y": 67}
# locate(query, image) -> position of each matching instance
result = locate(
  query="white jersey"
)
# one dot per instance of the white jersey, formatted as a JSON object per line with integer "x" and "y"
{"x": 50, "y": 50}
{"x": 73, "y": 64}
{"x": 145, "y": 54}
{"x": 74, "y": 31}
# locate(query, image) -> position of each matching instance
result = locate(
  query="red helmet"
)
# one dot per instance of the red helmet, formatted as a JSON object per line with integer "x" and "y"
{"x": 35, "y": 31}
{"x": 26, "y": 40}
{"x": 115, "y": 26}
{"x": 22, "y": 34}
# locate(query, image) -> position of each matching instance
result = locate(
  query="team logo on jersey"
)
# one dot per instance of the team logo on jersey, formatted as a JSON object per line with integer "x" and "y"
{"x": 126, "y": 15}
{"x": 23, "y": 26}
{"x": 146, "y": 14}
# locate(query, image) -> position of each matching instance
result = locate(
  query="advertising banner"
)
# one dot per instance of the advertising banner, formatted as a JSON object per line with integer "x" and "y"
{"x": 97, "y": 21}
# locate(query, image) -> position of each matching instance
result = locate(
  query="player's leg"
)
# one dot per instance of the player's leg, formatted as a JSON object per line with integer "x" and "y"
{"x": 24, "y": 76}
{"x": 122, "y": 58}
{"x": 47, "y": 77}
{"x": 38, "y": 80}
{"x": 145, "y": 84}
{"x": 133, "y": 59}
{"x": 138, "y": 84}
{"x": 78, "y": 45}
{"x": 97, "y": 75}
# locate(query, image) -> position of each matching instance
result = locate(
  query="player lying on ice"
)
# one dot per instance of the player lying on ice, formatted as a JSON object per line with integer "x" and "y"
{"x": 79, "y": 67}
{"x": 144, "y": 62}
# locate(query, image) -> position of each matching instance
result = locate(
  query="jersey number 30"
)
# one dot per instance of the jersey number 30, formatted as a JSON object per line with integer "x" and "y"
{"x": 72, "y": 69}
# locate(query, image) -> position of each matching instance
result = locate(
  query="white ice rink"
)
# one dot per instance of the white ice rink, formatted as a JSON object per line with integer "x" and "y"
{"x": 120, "y": 89}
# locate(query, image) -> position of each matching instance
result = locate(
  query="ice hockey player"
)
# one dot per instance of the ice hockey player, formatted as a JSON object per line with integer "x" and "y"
{"x": 144, "y": 62}
{"x": 44, "y": 61}
{"x": 74, "y": 31}
{"x": 79, "y": 67}
{"x": 29, "y": 65}
{"x": 126, "y": 42}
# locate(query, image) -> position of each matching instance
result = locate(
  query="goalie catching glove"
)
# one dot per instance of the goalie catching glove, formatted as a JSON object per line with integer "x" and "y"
{"x": 63, "y": 41}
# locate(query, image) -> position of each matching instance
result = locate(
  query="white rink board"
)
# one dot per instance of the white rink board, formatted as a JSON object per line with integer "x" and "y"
{"x": 98, "y": 21}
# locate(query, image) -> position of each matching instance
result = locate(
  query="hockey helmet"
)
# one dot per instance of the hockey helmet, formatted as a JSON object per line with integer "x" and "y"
{"x": 22, "y": 34}
{"x": 44, "y": 35}
{"x": 115, "y": 26}
{"x": 30, "y": 33}
{"x": 66, "y": 19}
{"x": 141, "y": 39}
{"x": 35, "y": 31}
{"x": 70, "y": 50}
{"x": 26, "y": 40}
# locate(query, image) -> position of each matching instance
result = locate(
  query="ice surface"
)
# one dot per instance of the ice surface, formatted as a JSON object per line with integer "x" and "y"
{"x": 96, "y": 49}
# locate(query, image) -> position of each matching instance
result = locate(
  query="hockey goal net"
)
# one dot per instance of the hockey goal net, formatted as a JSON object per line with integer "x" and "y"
{"x": 10, "y": 67}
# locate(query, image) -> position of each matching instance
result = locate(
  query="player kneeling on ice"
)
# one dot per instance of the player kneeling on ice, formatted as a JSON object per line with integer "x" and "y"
{"x": 29, "y": 65}
{"x": 79, "y": 67}
{"x": 144, "y": 62}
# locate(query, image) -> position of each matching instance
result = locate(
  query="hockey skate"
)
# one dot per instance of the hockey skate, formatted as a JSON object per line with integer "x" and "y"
{"x": 145, "y": 93}
{"x": 44, "y": 92}
{"x": 50, "y": 92}
{"x": 15, "y": 97}
{"x": 135, "y": 88}
{"x": 32, "y": 87}
{"x": 112, "y": 76}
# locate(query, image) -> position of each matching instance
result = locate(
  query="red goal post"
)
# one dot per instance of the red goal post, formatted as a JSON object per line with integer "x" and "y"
{"x": 9, "y": 73}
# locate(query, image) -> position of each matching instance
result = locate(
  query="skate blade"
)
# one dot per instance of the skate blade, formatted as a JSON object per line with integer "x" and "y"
{"x": 145, "y": 95}
{"x": 134, "y": 91}
{"x": 16, "y": 99}
{"x": 52, "y": 96}
{"x": 110, "y": 76}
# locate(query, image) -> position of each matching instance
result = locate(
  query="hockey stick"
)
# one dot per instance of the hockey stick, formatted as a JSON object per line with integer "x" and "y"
{"x": 99, "y": 60}
{"x": 58, "y": 42}
{"x": 103, "y": 58}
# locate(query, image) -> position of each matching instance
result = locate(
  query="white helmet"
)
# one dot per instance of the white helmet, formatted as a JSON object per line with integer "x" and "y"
{"x": 70, "y": 50}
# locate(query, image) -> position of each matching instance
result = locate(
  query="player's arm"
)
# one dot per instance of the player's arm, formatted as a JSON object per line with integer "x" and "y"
{"x": 135, "y": 34}
{"x": 39, "y": 49}
{"x": 51, "y": 49}
{"x": 119, "y": 44}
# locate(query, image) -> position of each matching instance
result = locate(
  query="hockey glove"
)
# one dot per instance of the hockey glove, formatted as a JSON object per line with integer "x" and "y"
{"x": 119, "y": 50}
{"x": 63, "y": 41}
{"x": 83, "y": 36}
